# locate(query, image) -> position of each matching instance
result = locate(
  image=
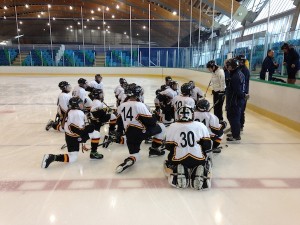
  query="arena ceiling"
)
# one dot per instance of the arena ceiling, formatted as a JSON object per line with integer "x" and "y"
{"x": 31, "y": 18}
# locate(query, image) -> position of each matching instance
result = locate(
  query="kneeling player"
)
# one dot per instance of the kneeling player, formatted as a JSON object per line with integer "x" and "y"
{"x": 139, "y": 124}
{"x": 75, "y": 133}
{"x": 188, "y": 141}
{"x": 212, "y": 123}
{"x": 62, "y": 107}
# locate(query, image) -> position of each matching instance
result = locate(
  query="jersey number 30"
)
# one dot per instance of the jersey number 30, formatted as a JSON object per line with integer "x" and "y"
{"x": 127, "y": 115}
{"x": 187, "y": 139}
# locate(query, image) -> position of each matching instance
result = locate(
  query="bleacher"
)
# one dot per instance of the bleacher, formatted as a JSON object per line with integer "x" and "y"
{"x": 7, "y": 56}
{"x": 78, "y": 58}
{"x": 39, "y": 57}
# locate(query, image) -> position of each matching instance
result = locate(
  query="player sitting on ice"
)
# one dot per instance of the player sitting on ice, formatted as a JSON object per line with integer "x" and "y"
{"x": 80, "y": 91}
{"x": 183, "y": 99}
{"x": 214, "y": 126}
{"x": 139, "y": 124}
{"x": 62, "y": 107}
{"x": 99, "y": 114}
{"x": 75, "y": 133}
{"x": 188, "y": 142}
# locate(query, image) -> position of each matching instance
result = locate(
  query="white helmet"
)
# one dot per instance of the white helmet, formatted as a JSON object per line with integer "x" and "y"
{"x": 185, "y": 114}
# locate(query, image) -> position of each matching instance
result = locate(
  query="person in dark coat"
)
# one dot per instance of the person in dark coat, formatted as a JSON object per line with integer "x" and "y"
{"x": 235, "y": 94}
{"x": 268, "y": 65}
{"x": 291, "y": 60}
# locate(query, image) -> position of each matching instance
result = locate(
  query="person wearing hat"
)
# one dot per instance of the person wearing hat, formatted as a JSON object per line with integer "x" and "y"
{"x": 291, "y": 60}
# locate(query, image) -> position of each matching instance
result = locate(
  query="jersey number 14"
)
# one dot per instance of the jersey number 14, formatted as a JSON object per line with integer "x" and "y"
{"x": 127, "y": 115}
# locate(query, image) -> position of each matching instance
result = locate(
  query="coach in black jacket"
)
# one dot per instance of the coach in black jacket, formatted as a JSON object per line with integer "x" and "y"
{"x": 268, "y": 65}
{"x": 291, "y": 60}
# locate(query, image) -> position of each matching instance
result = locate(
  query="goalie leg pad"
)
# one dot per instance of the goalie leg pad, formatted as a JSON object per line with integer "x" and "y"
{"x": 179, "y": 177}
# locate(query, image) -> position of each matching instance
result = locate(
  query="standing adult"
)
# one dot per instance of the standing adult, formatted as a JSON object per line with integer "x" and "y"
{"x": 218, "y": 86}
{"x": 291, "y": 60}
{"x": 234, "y": 96}
{"x": 268, "y": 65}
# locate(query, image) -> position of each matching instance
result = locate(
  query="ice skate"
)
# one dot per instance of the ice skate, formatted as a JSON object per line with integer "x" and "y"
{"x": 154, "y": 152}
{"x": 128, "y": 162}
{"x": 47, "y": 160}
{"x": 49, "y": 125}
{"x": 95, "y": 156}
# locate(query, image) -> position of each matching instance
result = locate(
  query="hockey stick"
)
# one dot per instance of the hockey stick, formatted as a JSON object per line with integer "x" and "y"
{"x": 207, "y": 88}
{"x": 216, "y": 103}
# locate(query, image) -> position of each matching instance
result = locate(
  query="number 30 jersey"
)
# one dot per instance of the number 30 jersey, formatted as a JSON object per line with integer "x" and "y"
{"x": 187, "y": 139}
{"x": 135, "y": 114}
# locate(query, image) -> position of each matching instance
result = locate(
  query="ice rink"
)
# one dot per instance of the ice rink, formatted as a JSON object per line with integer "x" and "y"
{"x": 254, "y": 183}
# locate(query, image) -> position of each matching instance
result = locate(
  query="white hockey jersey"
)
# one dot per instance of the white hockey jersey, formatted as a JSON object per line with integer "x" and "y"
{"x": 196, "y": 92}
{"x": 96, "y": 85}
{"x": 118, "y": 90}
{"x": 96, "y": 105}
{"x": 79, "y": 92}
{"x": 63, "y": 102}
{"x": 74, "y": 121}
{"x": 185, "y": 137}
{"x": 179, "y": 101}
{"x": 209, "y": 120}
{"x": 130, "y": 110}
{"x": 169, "y": 92}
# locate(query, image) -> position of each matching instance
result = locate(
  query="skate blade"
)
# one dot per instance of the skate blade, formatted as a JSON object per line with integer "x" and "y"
{"x": 43, "y": 165}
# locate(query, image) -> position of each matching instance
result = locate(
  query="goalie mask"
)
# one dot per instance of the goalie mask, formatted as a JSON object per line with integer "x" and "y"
{"x": 185, "y": 114}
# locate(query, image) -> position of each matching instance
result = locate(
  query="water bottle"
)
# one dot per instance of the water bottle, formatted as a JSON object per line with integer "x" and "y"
{"x": 267, "y": 75}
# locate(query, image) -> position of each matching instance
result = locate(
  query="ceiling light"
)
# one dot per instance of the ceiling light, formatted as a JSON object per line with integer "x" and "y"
{"x": 53, "y": 18}
{"x": 104, "y": 22}
{"x": 99, "y": 9}
{"x": 19, "y": 30}
{"x": 125, "y": 33}
{"x": 92, "y": 31}
{"x": 78, "y": 23}
{"x": 84, "y": 26}
{"x": 71, "y": 26}
{"x": 49, "y": 6}
{"x": 98, "y": 28}
{"x": 108, "y": 27}
{"x": 93, "y": 18}
{"x": 71, "y": 7}
{"x": 92, "y": 11}
{"x": 88, "y": 20}
{"x": 107, "y": 9}
{"x": 5, "y": 7}
{"x": 48, "y": 24}
{"x": 27, "y": 6}
{"x": 113, "y": 16}
{"x": 117, "y": 6}
{"x": 21, "y": 22}
{"x": 174, "y": 13}
{"x": 144, "y": 27}
{"x": 137, "y": 34}
{"x": 71, "y": 30}
{"x": 39, "y": 16}
{"x": 67, "y": 28}
{"x": 4, "y": 17}
{"x": 42, "y": 13}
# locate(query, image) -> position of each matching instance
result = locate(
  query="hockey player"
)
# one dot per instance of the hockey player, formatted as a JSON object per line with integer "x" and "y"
{"x": 119, "y": 90}
{"x": 214, "y": 126}
{"x": 99, "y": 115}
{"x": 139, "y": 124}
{"x": 188, "y": 141}
{"x": 235, "y": 94}
{"x": 183, "y": 99}
{"x": 75, "y": 133}
{"x": 62, "y": 106}
{"x": 80, "y": 91}
{"x": 218, "y": 86}
{"x": 96, "y": 84}
{"x": 168, "y": 80}
{"x": 197, "y": 93}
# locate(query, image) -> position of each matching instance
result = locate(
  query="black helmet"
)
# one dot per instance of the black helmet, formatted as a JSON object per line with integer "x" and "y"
{"x": 128, "y": 88}
{"x": 241, "y": 58}
{"x": 185, "y": 114}
{"x": 63, "y": 85}
{"x": 134, "y": 90}
{"x": 122, "y": 81}
{"x": 74, "y": 103}
{"x": 97, "y": 93}
{"x": 163, "y": 87}
{"x": 233, "y": 63}
{"x": 192, "y": 83}
{"x": 157, "y": 91}
{"x": 168, "y": 78}
{"x": 82, "y": 81}
{"x": 203, "y": 105}
{"x": 186, "y": 89}
{"x": 211, "y": 64}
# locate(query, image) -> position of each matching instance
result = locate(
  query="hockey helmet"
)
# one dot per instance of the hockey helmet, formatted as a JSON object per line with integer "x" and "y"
{"x": 157, "y": 92}
{"x": 97, "y": 94}
{"x": 163, "y": 87}
{"x": 203, "y": 105}
{"x": 64, "y": 86}
{"x": 192, "y": 83}
{"x": 82, "y": 81}
{"x": 186, "y": 89}
{"x": 122, "y": 81}
{"x": 168, "y": 78}
{"x": 185, "y": 114}
{"x": 98, "y": 77}
{"x": 75, "y": 103}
